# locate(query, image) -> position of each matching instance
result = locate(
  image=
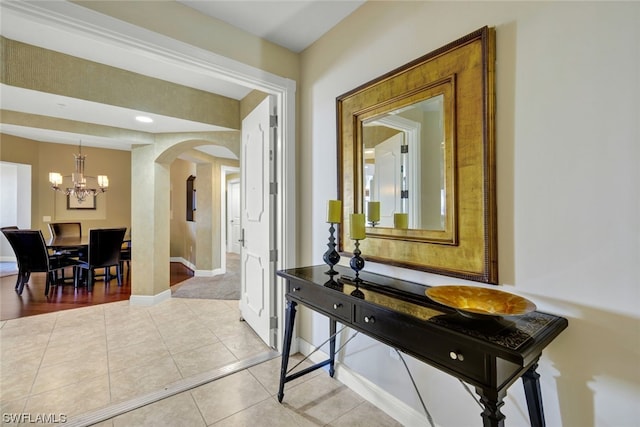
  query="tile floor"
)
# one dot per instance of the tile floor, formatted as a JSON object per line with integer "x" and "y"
{"x": 77, "y": 361}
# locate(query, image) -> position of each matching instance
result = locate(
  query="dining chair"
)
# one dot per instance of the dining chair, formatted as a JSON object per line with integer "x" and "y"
{"x": 32, "y": 256}
{"x": 8, "y": 228}
{"x": 125, "y": 256}
{"x": 105, "y": 245}
{"x": 65, "y": 229}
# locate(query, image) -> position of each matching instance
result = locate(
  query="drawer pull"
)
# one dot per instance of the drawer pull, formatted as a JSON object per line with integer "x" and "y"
{"x": 456, "y": 356}
{"x": 369, "y": 319}
{"x": 296, "y": 289}
{"x": 337, "y": 306}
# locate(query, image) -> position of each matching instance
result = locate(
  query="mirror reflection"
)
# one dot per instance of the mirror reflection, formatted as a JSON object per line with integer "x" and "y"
{"x": 404, "y": 167}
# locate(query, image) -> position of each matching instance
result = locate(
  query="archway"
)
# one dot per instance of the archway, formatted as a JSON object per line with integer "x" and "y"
{"x": 151, "y": 174}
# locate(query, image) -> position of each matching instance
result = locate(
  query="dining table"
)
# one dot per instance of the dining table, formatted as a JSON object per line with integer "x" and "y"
{"x": 73, "y": 242}
{"x": 67, "y": 242}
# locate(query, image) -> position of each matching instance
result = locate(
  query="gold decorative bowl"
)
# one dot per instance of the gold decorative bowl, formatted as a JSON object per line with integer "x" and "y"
{"x": 480, "y": 301}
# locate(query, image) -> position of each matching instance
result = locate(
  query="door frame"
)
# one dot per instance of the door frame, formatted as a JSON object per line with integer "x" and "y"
{"x": 232, "y": 186}
{"x": 64, "y": 20}
{"x": 225, "y": 171}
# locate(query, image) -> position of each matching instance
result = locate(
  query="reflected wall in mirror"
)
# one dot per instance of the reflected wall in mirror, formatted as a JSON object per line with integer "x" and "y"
{"x": 417, "y": 157}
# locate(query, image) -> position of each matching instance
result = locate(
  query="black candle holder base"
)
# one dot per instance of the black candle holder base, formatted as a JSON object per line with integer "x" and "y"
{"x": 331, "y": 257}
{"x": 357, "y": 262}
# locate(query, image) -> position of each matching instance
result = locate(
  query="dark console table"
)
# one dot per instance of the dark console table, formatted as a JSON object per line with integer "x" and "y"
{"x": 488, "y": 353}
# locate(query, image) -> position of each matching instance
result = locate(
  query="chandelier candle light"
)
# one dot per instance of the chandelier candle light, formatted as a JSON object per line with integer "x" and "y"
{"x": 357, "y": 233}
{"x": 79, "y": 190}
{"x": 331, "y": 256}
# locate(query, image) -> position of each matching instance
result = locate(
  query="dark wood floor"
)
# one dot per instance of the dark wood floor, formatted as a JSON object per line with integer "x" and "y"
{"x": 33, "y": 301}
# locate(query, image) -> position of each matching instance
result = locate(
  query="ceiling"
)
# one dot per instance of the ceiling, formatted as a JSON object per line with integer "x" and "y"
{"x": 294, "y": 24}
{"x": 291, "y": 24}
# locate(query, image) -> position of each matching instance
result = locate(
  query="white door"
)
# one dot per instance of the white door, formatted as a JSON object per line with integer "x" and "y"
{"x": 387, "y": 181}
{"x": 257, "y": 268}
{"x": 233, "y": 216}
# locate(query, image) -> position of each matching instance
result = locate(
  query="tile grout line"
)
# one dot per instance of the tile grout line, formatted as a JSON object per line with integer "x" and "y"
{"x": 44, "y": 353}
{"x": 177, "y": 387}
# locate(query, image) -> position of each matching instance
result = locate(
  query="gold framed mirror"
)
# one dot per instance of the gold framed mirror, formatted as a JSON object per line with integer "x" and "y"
{"x": 416, "y": 156}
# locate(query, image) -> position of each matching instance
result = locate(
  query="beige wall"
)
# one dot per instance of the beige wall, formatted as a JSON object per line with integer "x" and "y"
{"x": 190, "y": 26}
{"x": 44, "y": 70}
{"x": 250, "y": 102}
{"x": 113, "y": 208}
{"x": 184, "y": 234}
{"x": 182, "y": 231}
{"x": 568, "y": 107}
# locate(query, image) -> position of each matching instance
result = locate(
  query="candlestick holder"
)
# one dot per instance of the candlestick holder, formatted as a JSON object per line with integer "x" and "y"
{"x": 357, "y": 262}
{"x": 373, "y": 223}
{"x": 331, "y": 257}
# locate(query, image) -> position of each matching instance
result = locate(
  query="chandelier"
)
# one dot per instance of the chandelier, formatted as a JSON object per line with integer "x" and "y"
{"x": 79, "y": 189}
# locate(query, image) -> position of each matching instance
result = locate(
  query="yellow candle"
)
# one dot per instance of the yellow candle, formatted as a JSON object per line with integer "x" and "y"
{"x": 334, "y": 211}
{"x": 357, "y": 227}
{"x": 401, "y": 220}
{"x": 374, "y": 211}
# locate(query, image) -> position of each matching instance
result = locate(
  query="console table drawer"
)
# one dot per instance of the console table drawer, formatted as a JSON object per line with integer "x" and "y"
{"x": 335, "y": 305}
{"x": 390, "y": 327}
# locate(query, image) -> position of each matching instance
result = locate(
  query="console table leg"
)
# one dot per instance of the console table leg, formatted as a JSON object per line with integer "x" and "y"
{"x": 332, "y": 347}
{"x": 531, "y": 383}
{"x": 492, "y": 402}
{"x": 290, "y": 316}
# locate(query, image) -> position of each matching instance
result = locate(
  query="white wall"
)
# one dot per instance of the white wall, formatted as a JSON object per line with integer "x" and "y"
{"x": 15, "y": 202}
{"x": 568, "y": 111}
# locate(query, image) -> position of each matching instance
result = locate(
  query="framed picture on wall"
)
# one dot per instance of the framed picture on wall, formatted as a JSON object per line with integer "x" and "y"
{"x": 88, "y": 203}
{"x": 191, "y": 198}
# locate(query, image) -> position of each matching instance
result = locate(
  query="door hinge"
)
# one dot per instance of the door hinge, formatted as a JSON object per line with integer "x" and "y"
{"x": 404, "y": 148}
{"x": 273, "y": 121}
{"x": 273, "y": 322}
{"x": 273, "y": 255}
{"x": 404, "y": 194}
{"x": 273, "y": 188}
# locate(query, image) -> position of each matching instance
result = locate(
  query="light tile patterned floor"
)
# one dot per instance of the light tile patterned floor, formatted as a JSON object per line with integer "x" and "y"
{"x": 77, "y": 361}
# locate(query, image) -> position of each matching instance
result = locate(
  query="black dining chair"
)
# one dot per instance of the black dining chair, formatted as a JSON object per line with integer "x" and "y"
{"x": 65, "y": 229}
{"x": 105, "y": 245}
{"x": 125, "y": 256}
{"x": 8, "y": 228}
{"x": 32, "y": 256}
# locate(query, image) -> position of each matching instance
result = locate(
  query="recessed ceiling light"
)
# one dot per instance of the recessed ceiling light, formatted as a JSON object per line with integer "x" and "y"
{"x": 144, "y": 119}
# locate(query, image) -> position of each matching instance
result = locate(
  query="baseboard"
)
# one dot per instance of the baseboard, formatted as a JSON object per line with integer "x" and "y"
{"x": 184, "y": 262}
{"x": 208, "y": 273}
{"x": 149, "y": 300}
{"x": 369, "y": 391}
{"x": 197, "y": 273}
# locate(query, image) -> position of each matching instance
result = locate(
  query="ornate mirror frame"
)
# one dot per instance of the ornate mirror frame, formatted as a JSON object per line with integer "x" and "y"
{"x": 467, "y": 247}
